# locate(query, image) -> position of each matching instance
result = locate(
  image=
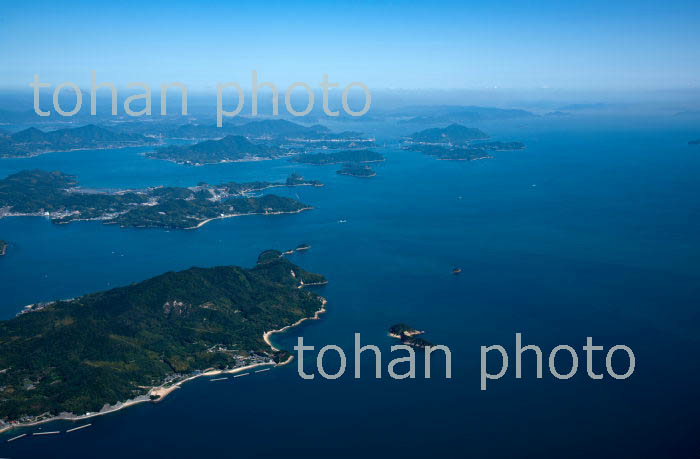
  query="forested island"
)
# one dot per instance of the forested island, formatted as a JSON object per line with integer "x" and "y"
{"x": 456, "y": 143}
{"x": 357, "y": 170}
{"x": 274, "y": 130}
{"x": 56, "y": 195}
{"x": 454, "y": 134}
{"x": 340, "y": 157}
{"x": 408, "y": 335}
{"x": 136, "y": 343}
{"x": 229, "y": 149}
{"x": 254, "y": 141}
{"x": 263, "y": 129}
{"x": 32, "y": 141}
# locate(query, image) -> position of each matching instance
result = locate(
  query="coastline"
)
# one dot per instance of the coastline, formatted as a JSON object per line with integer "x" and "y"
{"x": 164, "y": 390}
{"x": 357, "y": 175}
{"x": 199, "y": 225}
{"x": 111, "y": 147}
{"x": 316, "y": 316}
{"x": 204, "y": 222}
{"x": 341, "y": 162}
{"x": 221, "y": 161}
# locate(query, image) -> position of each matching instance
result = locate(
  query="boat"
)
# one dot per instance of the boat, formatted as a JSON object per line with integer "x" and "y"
{"x": 456, "y": 271}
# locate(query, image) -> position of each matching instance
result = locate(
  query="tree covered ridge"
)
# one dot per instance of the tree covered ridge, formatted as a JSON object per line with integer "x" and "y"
{"x": 78, "y": 355}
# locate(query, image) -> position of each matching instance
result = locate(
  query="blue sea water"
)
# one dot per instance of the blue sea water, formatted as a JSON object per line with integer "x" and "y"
{"x": 591, "y": 231}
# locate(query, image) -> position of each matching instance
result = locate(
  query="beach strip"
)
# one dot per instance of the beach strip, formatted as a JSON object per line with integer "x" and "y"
{"x": 316, "y": 316}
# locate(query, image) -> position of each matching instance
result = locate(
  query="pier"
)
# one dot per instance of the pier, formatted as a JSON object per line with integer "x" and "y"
{"x": 78, "y": 428}
{"x": 16, "y": 438}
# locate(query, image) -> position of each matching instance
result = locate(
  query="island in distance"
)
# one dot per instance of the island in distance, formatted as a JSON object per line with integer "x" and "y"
{"x": 357, "y": 170}
{"x": 32, "y": 141}
{"x": 340, "y": 157}
{"x": 694, "y": 142}
{"x": 229, "y": 149}
{"x": 110, "y": 349}
{"x": 408, "y": 335}
{"x": 254, "y": 141}
{"x": 425, "y": 114}
{"x": 55, "y": 195}
{"x": 3, "y": 247}
{"x": 456, "y": 142}
{"x": 454, "y": 134}
{"x": 280, "y": 131}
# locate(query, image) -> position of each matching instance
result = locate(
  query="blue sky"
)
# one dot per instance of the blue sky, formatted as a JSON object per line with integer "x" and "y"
{"x": 401, "y": 44}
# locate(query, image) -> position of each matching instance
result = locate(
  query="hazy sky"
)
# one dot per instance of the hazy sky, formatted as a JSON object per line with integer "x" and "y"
{"x": 507, "y": 44}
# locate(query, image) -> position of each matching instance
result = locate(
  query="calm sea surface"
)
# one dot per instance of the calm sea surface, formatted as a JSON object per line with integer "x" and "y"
{"x": 594, "y": 230}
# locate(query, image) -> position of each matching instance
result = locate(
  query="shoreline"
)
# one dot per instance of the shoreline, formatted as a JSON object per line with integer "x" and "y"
{"x": 164, "y": 390}
{"x": 112, "y": 147}
{"x": 316, "y": 316}
{"x": 356, "y": 175}
{"x": 341, "y": 162}
{"x": 204, "y": 222}
{"x": 221, "y": 161}
{"x": 199, "y": 225}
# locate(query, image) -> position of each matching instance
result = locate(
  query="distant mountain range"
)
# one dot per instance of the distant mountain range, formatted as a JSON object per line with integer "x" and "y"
{"x": 581, "y": 107}
{"x": 264, "y": 129}
{"x": 33, "y": 141}
{"x": 455, "y": 113}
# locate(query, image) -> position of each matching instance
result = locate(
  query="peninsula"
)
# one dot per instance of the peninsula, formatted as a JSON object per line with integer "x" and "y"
{"x": 103, "y": 351}
{"x": 57, "y": 196}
